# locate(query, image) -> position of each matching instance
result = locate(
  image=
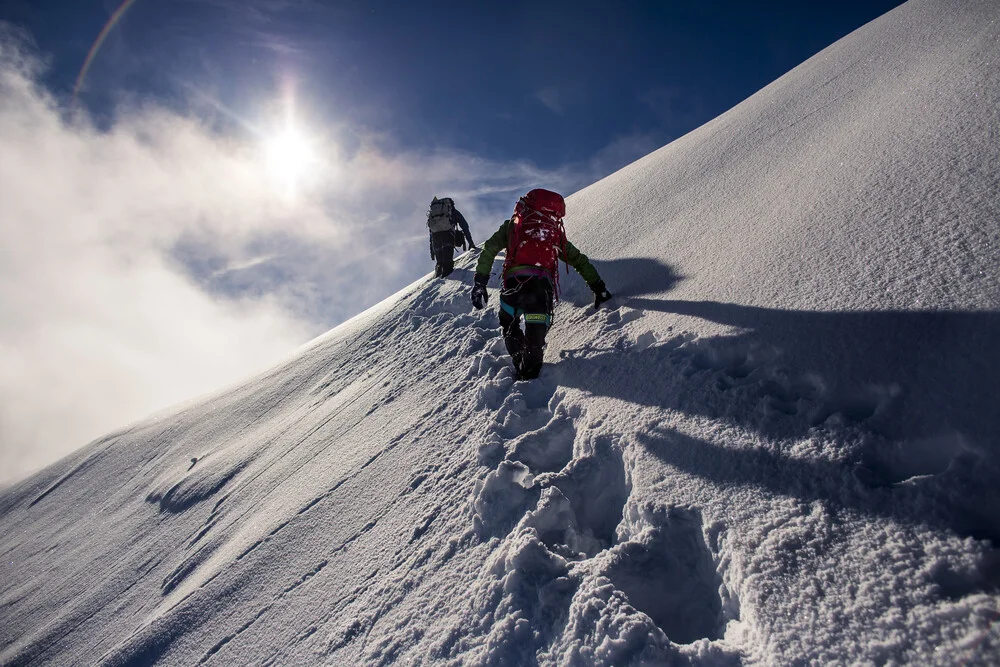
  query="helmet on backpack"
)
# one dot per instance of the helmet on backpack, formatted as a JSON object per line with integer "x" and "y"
{"x": 549, "y": 203}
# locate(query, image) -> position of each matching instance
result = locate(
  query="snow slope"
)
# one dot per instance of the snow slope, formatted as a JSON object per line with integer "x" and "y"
{"x": 781, "y": 446}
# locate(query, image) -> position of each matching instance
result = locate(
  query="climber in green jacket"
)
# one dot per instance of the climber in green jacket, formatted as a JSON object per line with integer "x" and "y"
{"x": 535, "y": 241}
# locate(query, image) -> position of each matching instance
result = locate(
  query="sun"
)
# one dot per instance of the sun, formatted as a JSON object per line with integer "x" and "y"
{"x": 290, "y": 157}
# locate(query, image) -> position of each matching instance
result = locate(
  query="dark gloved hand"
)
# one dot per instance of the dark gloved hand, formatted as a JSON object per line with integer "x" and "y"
{"x": 479, "y": 294}
{"x": 601, "y": 293}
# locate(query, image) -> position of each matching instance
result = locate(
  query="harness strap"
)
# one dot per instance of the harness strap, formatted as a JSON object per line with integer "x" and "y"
{"x": 521, "y": 277}
{"x": 529, "y": 318}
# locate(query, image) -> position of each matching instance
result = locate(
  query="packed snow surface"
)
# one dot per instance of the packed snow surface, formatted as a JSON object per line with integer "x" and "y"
{"x": 779, "y": 446}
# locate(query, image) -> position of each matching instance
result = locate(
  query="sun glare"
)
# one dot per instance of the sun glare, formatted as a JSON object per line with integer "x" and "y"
{"x": 290, "y": 159}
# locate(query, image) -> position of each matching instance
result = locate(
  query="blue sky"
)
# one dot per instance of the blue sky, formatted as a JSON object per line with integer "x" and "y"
{"x": 555, "y": 83}
{"x": 165, "y": 232}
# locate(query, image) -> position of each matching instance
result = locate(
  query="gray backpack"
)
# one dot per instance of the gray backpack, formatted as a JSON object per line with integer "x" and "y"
{"x": 439, "y": 215}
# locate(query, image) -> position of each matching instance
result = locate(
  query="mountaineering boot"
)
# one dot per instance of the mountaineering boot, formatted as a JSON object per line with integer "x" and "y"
{"x": 513, "y": 338}
{"x": 518, "y": 359}
{"x": 529, "y": 372}
{"x": 531, "y": 362}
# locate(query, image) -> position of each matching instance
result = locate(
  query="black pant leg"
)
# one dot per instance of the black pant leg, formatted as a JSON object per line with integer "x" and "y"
{"x": 513, "y": 337}
{"x": 446, "y": 263}
{"x": 532, "y": 297}
{"x": 444, "y": 252}
{"x": 534, "y": 349}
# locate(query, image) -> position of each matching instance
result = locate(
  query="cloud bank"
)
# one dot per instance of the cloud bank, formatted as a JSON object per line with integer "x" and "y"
{"x": 98, "y": 324}
{"x": 154, "y": 258}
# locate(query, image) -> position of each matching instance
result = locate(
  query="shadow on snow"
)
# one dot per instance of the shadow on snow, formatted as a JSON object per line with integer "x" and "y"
{"x": 921, "y": 383}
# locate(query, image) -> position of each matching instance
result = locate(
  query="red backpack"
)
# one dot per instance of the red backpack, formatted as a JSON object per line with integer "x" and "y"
{"x": 536, "y": 236}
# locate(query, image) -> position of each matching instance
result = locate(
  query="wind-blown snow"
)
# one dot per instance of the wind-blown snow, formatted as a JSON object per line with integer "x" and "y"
{"x": 780, "y": 447}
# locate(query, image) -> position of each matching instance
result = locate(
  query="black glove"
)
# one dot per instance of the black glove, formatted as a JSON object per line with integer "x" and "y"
{"x": 479, "y": 294}
{"x": 601, "y": 293}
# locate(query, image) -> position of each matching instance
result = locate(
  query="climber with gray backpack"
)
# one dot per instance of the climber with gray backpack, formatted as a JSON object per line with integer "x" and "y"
{"x": 443, "y": 224}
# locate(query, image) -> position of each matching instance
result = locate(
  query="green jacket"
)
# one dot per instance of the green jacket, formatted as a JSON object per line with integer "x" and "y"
{"x": 498, "y": 242}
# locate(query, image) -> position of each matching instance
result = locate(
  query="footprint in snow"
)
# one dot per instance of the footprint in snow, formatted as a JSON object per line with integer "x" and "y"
{"x": 582, "y": 506}
{"x": 549, "y": 448}
{"x": 735, "y": 361}
{"x": 522, "y": 407}
{"x": 751, "y": 366}
{"x": 534, "y": 433}
{"x": 886, "y": 462}
{"x": 526, "y": 407}
{"x": 667, "y": 571}
{"x": 613, "y": 319}
{"x": 847, "y": 408}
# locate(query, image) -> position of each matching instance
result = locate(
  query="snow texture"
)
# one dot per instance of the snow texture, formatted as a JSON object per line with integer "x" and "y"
{"x": 778, "y": 446}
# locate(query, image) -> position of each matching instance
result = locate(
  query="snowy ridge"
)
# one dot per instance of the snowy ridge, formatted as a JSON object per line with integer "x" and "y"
{"x": 779, "y": 447}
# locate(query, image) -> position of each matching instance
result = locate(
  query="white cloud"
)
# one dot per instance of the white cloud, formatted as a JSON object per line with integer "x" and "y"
{"x": 157, "y": 259}
{"x": 97, "y": 326}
